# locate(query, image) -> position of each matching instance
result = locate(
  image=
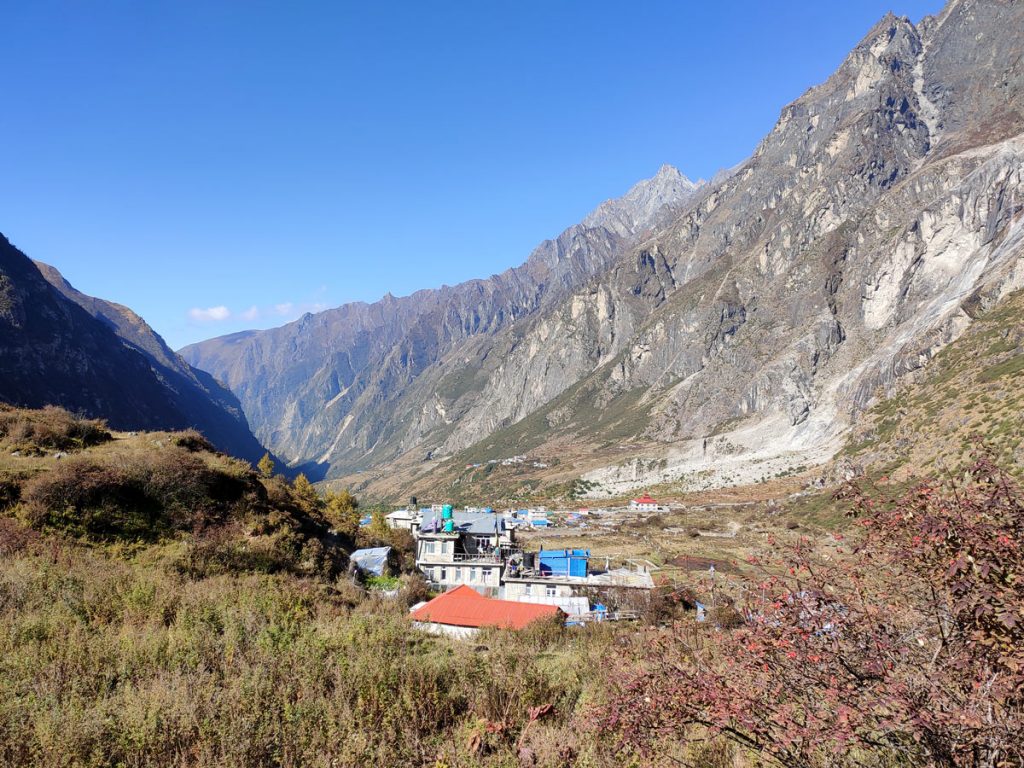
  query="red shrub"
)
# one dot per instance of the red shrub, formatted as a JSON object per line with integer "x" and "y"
{"x": 910, "y": 646}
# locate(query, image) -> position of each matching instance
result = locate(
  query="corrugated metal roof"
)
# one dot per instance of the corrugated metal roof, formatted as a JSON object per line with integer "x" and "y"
{"x": 480, "y": 523}
{"x": 465, "y": 607}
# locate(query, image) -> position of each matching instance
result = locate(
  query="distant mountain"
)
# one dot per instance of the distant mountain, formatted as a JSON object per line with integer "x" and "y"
{"x": 692, "y": 334}
{"x": 362, "y": 384}
{"x": 61, "y": 347}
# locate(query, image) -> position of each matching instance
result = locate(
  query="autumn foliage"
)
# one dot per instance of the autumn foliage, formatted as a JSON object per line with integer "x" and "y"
{"x": 901, "y": 646}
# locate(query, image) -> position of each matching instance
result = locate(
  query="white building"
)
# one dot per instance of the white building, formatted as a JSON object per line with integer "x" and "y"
{"x": 644, "y": 504}
{"x": 403, "y": 519}
{"x": 473, "y": 553}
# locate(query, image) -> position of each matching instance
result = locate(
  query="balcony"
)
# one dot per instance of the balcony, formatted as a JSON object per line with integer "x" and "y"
{"x": 493, "y": 558}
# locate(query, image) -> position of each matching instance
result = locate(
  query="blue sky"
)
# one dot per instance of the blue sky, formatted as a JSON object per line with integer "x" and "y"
{"x": 226, "y": 165}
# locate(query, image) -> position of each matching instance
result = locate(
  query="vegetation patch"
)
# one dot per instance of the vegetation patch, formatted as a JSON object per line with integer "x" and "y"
{"x": 48, "y": 429}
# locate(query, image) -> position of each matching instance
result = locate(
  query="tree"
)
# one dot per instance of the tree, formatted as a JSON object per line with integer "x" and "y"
{"x": 909, "y": 645}
{"x": 342, "y": 511}
{"x": 266, "y": 466}
{"x": 379, "y": 527}
{"x": 305, "y": 495}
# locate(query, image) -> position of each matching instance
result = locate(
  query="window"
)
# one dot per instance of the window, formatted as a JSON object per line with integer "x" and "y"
{"x": 456, "y": 574}
{"x": 444, "y": 574}
{"x": 549, "y": 591}
{"x": 487, "y": 575}
{"x": 428, "y": 547}
{"x": 476, "y": 574}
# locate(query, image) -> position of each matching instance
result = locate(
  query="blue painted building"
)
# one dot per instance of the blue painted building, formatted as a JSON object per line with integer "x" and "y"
{"x": 563, "y": 562}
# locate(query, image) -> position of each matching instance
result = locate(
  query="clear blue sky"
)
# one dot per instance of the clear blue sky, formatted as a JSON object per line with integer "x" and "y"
{"x": 265, "y": 158}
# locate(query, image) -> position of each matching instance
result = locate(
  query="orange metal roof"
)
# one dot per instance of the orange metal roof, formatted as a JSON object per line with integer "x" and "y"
{"x": 465, "y": 607}
{"x": 645, "y": 499}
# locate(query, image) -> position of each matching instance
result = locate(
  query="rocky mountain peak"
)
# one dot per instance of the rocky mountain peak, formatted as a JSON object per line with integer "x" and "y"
{"x": 645, "y": 203}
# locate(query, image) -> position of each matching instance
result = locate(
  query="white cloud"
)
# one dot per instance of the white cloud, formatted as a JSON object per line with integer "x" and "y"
{"x": 210, "y": 314}
{"x": 286, "y": 311}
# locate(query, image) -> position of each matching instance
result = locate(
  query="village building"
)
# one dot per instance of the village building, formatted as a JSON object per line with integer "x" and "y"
{"x": 403, "y": 519}
{"x": 644, "y": 504}
{"x": 462, "y": 612}
{"x": 558, "y": 577}
{"x": 478, "y": 550}
{"x": 468, "y": 548}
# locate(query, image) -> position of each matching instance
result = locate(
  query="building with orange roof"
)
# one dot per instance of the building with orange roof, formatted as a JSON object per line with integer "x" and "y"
{"x": 462, "y": 612}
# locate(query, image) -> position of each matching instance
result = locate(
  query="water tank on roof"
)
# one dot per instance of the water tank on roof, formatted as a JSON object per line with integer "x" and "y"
{"x": 446, "y": 512}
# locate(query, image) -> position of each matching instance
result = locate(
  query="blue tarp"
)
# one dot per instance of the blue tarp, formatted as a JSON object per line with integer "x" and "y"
{"x": 372, "y": 560}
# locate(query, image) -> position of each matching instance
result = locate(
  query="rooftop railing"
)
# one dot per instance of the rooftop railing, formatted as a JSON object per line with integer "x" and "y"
{"x": 478, "y": 557}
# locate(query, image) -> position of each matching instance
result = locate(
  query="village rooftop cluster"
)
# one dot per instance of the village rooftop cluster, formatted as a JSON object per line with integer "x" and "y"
{"x": 476, "y": 550}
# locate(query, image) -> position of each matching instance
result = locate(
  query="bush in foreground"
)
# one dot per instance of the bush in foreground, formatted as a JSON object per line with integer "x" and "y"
{"x": 906, "y": 650}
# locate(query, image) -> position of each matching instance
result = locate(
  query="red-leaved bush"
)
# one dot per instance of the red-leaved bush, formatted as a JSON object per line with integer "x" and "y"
{"x": 906, "y": 648}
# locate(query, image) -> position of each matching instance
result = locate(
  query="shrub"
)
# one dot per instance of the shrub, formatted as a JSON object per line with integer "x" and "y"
{"x": 49, "y": 428}
{"x": 414, "y": 589}
{"x": 192, "y": 440}
{"x": 139, "y": 496}
{"x": 909, "y": 649}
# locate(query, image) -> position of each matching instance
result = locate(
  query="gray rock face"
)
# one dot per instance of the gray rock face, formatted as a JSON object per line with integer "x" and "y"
{"x": 357, "y": 385}
{"x": 731, "y": 329}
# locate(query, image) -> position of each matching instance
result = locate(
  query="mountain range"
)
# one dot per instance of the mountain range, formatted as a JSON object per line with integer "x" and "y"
{"x": 695, "y": 333}
{"x": 61, "y": 347}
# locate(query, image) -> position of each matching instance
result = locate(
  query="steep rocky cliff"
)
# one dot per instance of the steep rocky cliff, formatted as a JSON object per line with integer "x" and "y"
{"x": 697, "y": 336}
{"x": 61, "y": 347}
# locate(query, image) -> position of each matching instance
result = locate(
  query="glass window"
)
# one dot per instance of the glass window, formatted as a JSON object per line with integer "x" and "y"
{"x": 444, "y": 574}
{"x": 549, "y": 591}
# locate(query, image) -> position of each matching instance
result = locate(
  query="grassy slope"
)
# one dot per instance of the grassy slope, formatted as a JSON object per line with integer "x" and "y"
{"x": 109, "y": 658}
{"x": 974, "y": 387}
{"x": 170, "y": 607}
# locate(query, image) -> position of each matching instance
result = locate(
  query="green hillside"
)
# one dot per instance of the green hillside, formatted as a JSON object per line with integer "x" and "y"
{"x": 972, "y": 391}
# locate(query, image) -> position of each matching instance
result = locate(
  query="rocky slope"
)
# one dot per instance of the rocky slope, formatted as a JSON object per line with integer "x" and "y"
{"x": 363, "y": 384}
{"x": 973, "y": 391}
{"x": 61, "y": 347}
{"x": 736, "y": 333}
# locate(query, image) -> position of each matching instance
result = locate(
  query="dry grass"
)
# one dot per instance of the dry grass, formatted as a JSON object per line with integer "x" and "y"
{"x": 48, "y": 429}
{"x": 112, "y": 659}
{"x": 973, "y": 389}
